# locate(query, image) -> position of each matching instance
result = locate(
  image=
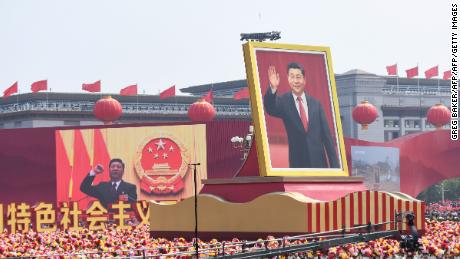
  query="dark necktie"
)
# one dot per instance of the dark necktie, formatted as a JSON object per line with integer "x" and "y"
{"x": 114, "y": 187}
{"x": 303, "y": 116}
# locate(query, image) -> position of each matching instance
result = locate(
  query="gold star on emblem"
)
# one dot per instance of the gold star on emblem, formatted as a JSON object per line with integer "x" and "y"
{"x": 171, "y": 149}
{"x": 160, "y": 144}
{"x": 165, "y": 155}
{"x": 150, "y": 150}
{"x": 155, "y": 156}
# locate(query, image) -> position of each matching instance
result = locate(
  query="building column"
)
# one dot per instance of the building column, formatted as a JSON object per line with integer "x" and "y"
{"x": 403, "y": 126}
{"x": 422, "y": 123}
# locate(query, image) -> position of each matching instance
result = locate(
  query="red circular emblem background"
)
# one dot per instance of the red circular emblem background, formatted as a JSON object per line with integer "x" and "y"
{"x": 161, "y": 164}
{"x": 161, "y": 151}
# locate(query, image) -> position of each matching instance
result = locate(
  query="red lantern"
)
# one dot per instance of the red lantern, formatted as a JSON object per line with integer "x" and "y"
{"x": 201, "y": 110}
{"x": 107, "y": 109}
{"x": 438, "y": 115}
{"x": 364, "y": 113}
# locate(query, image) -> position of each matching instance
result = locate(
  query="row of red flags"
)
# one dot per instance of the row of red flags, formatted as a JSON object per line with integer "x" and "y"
{"x": 95, "y": 87}
{"x": 413, "y": 72}
{"x": 129, "y": 90}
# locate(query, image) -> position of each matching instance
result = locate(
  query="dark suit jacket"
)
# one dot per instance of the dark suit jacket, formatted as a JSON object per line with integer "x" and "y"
{"x": 306, "y": 149}
{"x": 104, "y": 192}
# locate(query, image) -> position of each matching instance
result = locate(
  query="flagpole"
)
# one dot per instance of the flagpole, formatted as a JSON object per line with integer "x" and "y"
{"x": 175, "y": 96}
{"x": 420, "y": 97}
{"x": 46, "y": 94}
{"x": 439, "y": 87}
{"x": 212, "y": 92}
{"x": 137, "y": 102}
{"x": 100, "y": 91}
{"x": 397, "y": 85}
{"x": 17, "y": 99}
{"x": 418, "y": 85}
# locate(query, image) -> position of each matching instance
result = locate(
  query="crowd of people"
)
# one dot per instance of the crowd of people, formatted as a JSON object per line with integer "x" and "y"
{"x": 446, "y": 210}
{"x": 442, "y": 238}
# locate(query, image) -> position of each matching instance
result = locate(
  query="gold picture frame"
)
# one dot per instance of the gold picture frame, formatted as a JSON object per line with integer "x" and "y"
{"x": 273, "y": 148}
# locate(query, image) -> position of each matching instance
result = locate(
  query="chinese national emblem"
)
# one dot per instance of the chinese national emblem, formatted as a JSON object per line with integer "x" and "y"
{"x": 161, "y": 164}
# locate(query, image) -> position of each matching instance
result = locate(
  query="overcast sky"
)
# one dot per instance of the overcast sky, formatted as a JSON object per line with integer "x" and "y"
{"x": 157, "y": 44}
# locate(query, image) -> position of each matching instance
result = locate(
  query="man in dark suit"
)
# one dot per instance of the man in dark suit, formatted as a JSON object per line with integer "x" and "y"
{"x": 112, "y": 191}
{"x": 309, "y": 138}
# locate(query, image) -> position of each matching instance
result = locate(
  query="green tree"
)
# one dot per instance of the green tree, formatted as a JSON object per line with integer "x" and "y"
{"x": 452, "y": 189}
{"x": 433, "y": 193}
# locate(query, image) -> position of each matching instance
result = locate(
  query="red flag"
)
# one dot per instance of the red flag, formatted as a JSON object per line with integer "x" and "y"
{"x": 10, "y": 90}
{"x": 94, "y": 87}
{"x": 129, "y": 90}
{"x": 208, "y": 97}
{"x": 170, "y": 92}
{"x": 392, "y": 70}
{"x": 447, "y": 75}
{"x": 81, "y": 167}
{"x": 100, "y": 156}
{"x": 63, "y": 169}
{"x": 241, "y": 94}
{"x": 39, "y": 86}
{"x": 432, "y": 72}
{"x": 412, "y": 72}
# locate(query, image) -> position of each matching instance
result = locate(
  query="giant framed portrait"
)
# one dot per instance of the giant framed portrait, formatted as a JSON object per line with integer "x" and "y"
{"x": 295, "y": 110}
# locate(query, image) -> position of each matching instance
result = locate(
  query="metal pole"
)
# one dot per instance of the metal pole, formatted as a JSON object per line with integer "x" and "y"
{"x": 196, "y": 208}
{"x": 196, "y": 213}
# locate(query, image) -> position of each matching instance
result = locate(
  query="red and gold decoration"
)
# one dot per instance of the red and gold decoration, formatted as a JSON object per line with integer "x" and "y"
{"x": 306, "y": 215}
{"x": 44, "y": 216}
{"x": 107, "y": 109}
{"x": 364, "y": 113}
{"x": 161, "y": 165}
{"x": 201, "y": 110}
{"x": 438, "y": 115}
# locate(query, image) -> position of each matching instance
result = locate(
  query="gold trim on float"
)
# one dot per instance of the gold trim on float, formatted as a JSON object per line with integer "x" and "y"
{"x": 278, "y": 212}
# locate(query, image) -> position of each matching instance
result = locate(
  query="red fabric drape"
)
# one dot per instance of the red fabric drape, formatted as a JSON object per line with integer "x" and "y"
{"x": 224, "y": 160}
{"x": 425, "y": 158}
{"x": 101, "y": 156}
{"x": 63, "y": 169}
{"x": 27, "y": 165}
{"x": 81, "y": 167}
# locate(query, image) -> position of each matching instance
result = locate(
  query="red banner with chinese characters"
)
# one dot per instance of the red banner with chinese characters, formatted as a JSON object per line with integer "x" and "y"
{"x": 42, "y": 217}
